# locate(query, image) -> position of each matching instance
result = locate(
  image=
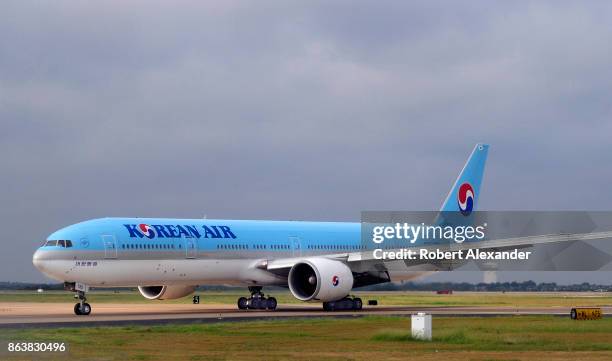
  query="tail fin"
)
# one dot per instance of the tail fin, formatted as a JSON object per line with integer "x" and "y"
{"x": 463, "y": 196}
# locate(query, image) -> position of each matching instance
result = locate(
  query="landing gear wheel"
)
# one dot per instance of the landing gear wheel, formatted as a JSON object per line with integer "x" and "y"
{"x": 243, "y": 303}
{"x": 86, "y": 309}
{"x": 345, "y": 304}
{"x": 82, "y": 309}
{"x": 272, "y": 303}
{"x": 329, "y": 306}
{"x": 257, "y": 301}
{"x": 348, "y": 304}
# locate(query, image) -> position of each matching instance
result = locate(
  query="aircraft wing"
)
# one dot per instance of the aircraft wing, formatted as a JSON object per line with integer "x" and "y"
{"x": 495, "y": 244}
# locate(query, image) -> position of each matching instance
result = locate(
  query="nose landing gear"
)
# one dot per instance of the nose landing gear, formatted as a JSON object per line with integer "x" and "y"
{"x": 257, "y": 301}
{"x": 82, "y": 308}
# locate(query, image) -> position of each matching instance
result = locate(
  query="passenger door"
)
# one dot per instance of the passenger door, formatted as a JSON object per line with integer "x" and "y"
{"x": 296, "y": 249}
{"x": 191, "y": 248}
{"x": 110, "y": 246}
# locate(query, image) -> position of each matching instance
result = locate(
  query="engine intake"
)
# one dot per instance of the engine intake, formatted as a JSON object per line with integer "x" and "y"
{"x": 320, "y": 279}
{"x": 165, "y": 292}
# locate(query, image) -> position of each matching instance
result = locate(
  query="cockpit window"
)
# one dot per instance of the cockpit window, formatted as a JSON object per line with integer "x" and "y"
{"x": 61, "y": 243}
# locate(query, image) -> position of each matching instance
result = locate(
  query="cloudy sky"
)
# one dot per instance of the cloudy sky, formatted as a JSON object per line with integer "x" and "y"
{"x": 295, "y": 110}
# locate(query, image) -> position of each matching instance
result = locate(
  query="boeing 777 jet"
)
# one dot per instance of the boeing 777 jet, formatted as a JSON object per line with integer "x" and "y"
{"x": 169, "y": 258}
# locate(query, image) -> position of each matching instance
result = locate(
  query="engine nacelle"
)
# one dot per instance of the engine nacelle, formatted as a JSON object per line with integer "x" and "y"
{"x": 320, "y": 279}
{"x": 165, "y": 292}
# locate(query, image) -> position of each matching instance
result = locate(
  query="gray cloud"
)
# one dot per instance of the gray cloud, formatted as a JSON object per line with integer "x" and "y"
{"x": 294, "y": 110}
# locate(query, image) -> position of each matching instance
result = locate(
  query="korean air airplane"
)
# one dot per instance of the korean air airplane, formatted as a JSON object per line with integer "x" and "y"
{"x": 169, "y": 258}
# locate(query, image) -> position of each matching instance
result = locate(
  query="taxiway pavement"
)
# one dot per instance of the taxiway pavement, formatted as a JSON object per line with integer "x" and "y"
{"x": 29, "y": 314}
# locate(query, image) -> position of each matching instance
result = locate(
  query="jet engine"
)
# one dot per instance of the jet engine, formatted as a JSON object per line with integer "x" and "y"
{"x": 320, "y": 279}
{"x": 165, "y": 292}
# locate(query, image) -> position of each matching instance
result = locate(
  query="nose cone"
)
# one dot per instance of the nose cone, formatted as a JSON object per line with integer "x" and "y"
{"x": 37, "y": 260}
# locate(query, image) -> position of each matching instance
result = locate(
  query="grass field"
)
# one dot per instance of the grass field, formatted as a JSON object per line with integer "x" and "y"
{"x": 368, "y": 338}
{"x": 509, "y": 299}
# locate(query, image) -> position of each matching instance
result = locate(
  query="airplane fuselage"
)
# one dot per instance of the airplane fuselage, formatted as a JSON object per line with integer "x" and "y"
{"x": 147, "y": 251}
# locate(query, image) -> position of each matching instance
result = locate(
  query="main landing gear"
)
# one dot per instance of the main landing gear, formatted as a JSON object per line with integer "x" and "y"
{"x": 82, "y": 308}
{"x": 345, "y": 304}
{"x": 257, "y": 301}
